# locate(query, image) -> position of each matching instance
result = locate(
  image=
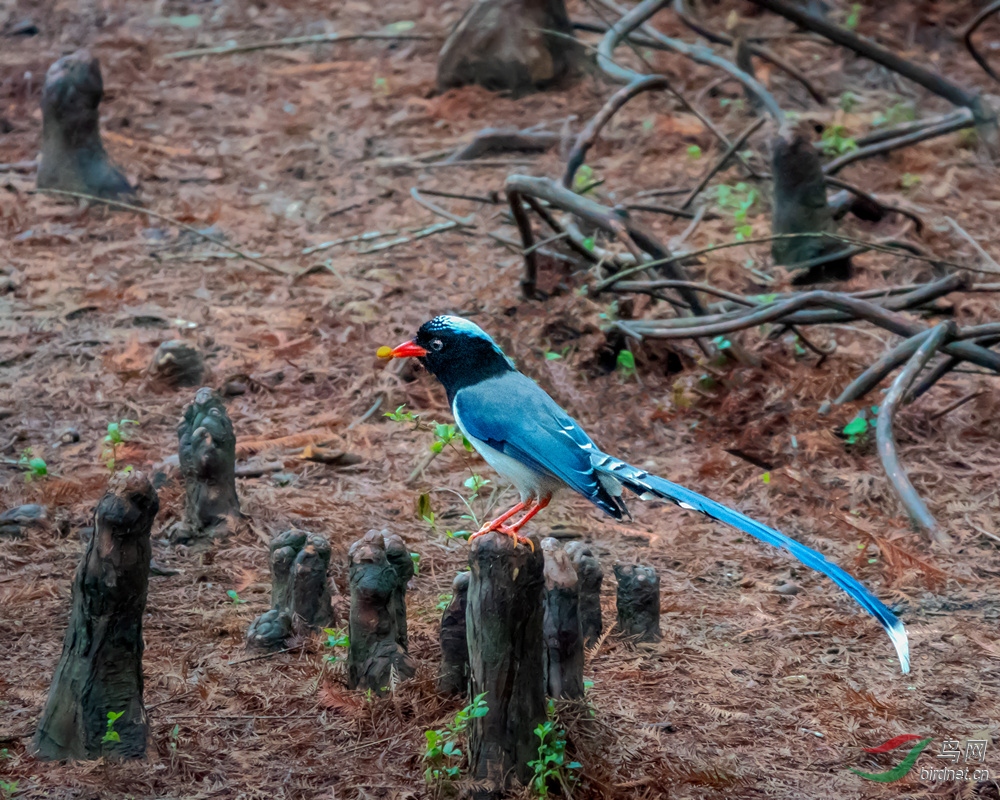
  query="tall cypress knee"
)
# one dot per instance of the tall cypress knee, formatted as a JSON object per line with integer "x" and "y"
{"x": 100, "y": 670}
{"x": 454, "y": 675}
{"x": 73, "y": 156}
{"x": 504, "y": 616}
{"x": 562, "y": 630}
{"x": 588, "y": 570}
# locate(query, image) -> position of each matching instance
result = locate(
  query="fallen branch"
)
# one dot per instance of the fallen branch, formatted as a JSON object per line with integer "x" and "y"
{"x": 189, "y": 228}
{"x": 296, "y": 41}
{"x": 462, "y": 222}
{"x": 637, "y": 16}
{"x": 873, "y": 376}
{"x": 986, "y": 257}
{"x": 910, "y": 127}
{"x": 985, "y": 116}
{"x": 736, "y": 144}
{"x": 491, "y": 141}
{"x": 978, "y": 20}
{"x": 758, "y": 50}
{"x": 915, "y": 507}
{"x": 942, "y": 369}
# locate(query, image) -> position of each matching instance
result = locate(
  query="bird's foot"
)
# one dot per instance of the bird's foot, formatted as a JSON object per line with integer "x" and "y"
{"x": 506, "y": 531}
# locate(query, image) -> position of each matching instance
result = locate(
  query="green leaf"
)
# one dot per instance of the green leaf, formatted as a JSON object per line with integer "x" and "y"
{"x": 551, "y": 356}
{"x": 766, "y": 477}
{"x": 626, "y": 361}
{"x": 589, "y": 244}
{"x": 415, "y": 558}
{"x": 38, "y": 466}
{"x": 584, "y": 176}
{"x": 856, "y": 426}
{"x": 424, "y": 509}
{"x": 403, "y": 26}
{"x": 467, "y": 444}
{"x": 694, "y": 151}
{"x": 437, "y": 446}
{"x": 853, "y": 18}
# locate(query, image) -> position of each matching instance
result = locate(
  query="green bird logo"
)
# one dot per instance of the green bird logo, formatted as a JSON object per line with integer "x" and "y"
{"x": 900, "y": 771}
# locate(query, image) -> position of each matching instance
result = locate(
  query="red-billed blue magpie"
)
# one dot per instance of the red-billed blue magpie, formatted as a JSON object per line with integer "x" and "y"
{"x": 530, "y": 441}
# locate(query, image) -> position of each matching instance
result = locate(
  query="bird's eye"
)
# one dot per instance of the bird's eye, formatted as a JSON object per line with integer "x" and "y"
{"x": 437, "y": 344}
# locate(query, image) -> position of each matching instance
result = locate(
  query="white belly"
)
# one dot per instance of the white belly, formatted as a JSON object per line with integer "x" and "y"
{"x": 529, "y": 483}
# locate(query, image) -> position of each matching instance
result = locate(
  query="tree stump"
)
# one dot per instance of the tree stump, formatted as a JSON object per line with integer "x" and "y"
{"x": 377, "y": 600}
{"x": 504, "y": 616}
{"x": 588, "y": 570}
{"x": 73, "y": 156}
{"x": 505, "y": 45}
{"x": 300, "y": 590}
{"x": 100, "y": 670}
{"x": 561, "y": 627}
{"x": 638, "y": 602}
{"x": 800, "y": 206}
{"x": 208, "y": 464}
{"x": 399, "y": 558}
{"x": 176, "y": 363}
{"x": 454, "y": 676}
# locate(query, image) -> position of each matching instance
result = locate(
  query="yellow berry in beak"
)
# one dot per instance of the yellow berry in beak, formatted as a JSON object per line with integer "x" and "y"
{"x": 384, "y": 352}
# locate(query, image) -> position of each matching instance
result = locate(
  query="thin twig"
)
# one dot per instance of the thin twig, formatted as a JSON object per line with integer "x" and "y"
{"x": 975, "y": 245}
{"x": 295, "y": 41}
{"x": 265, "y": 655}
{"x": 464, "y": 222}
{"x": 914, "y": 506}
{"x": 190, "y": 229}
{"x": 736, "y": 144}
{"x": 957, "y": 404}
{"x": 430, "y": 230}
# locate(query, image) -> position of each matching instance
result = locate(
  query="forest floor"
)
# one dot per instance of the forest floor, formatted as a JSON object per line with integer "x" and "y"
{"x": 752, "y": 692}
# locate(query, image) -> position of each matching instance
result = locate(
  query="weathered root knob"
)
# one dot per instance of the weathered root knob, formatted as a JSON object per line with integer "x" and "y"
{"x": 73, "y": 156}
{"x": 638, "y": 602}
{"x": 270, "y": 630}
{"x": 588, "y": 570}
{"x": 561, "y": 627}
{"x": 208, "y": 464}
{"x": 454, "y": 676}
{"x": 100, "y": 670}
{"x": 176, "y": 364}
{"x": 375, "y": 655}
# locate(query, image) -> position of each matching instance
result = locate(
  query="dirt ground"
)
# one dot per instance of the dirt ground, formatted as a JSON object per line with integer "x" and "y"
{"x": 752, "y": 692}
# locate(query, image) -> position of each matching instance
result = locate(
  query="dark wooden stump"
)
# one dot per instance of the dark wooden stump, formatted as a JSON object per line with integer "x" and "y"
{"x": 175, "y": 364}
{"x": 375, "y": 651}
{"x": 638, "y": 602}
{"x": 506, "y": 659}
{"x": 588, "y": 570}
{"x": 100, "y": 670}
{"x": 800, "y": 206}
{"x": 73, "y": 156}
{"x": 300, "y": 590}
{"x": 208, "y": 464}
{"x": 561, "y": 627}
{"x": 505, "y": 45}
{"x": 399, "y": 558}
{"x": 454, "y": 676}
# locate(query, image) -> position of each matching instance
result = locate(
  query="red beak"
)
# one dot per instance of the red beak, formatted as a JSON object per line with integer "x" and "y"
{"x": 408, "y": 350}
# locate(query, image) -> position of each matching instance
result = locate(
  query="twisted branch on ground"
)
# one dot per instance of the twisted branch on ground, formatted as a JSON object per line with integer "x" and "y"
{"x": 915, "y": 507}
{"x": 978, "y": 20}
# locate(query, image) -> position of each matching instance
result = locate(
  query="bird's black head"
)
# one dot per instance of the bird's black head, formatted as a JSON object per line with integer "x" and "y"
{"x": 457, "y": 352}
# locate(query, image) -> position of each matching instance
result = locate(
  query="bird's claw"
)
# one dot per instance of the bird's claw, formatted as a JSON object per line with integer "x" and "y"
{"x": 506, "y": 531}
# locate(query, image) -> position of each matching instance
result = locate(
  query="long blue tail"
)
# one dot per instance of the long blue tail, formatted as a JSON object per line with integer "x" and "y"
{"x": 648, "y": 486}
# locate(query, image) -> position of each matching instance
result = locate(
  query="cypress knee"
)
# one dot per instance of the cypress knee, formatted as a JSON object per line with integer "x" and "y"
{"x": 100, "y": 670}
{"x": 208, "y": 464}
{"x": 561, "y": 628}
{"x": 506, "y": 659}
{"x": 73, "y": 156}
{"x": 398, "y": 556}
{"x": 454, "y": 676}
{"x": 375, "y": 652}
{"x": 588, "y": 570}
{"x": 638, "y": 602}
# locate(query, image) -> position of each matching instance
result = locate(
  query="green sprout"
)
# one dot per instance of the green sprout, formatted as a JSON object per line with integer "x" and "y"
{"x": 583, "y": 179}
{"x": 336, "y": 638}
{"x": 443, "y": 755}
{"x": 836, "y": 142}
{"x": 738, "y": 200}
{"x": 444, "y": 600}
{"x": 117, "y": 435}
{"x": 399, "y": 415}
{"x": 853, "y": 17}
{"x": 8, "y": 789}
{"x": 33, "y": 466}
{"x": 625, "y": 363}
{"x": 550, "y": 766}
{"x": 694, "y": 151}
{"x": 415, "y": 558}
{"x": 110, "y": 734}
{"x": 857, "y": 429}
{"x": 234, "y": 597}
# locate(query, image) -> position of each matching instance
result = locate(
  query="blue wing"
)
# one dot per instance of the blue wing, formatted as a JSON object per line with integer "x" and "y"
{"x": 512, "y": 414}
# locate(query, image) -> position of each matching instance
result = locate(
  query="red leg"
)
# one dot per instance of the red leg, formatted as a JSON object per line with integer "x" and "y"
{"x": 542, "y": 503}
{"x": 499, "y": 521}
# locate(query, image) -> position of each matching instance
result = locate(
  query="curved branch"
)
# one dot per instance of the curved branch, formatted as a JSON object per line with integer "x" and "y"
{"x": 587, "y": 137}
{"x": 873, "y": 376}
{"x": 915, "y": 507}
{"x": 703, "y": 55}
{"x": 684, "y": 14}
{"x": 978, "y": 20}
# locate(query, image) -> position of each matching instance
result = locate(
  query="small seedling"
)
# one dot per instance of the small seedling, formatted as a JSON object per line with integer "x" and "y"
{"x": 234, "y": 597}
{"x": 836, "y": 142}
{"x": 550, "y": 767}
{"x": 625, "y": 363}
{"x": 738, "y": 200}
{"x": 853, "y": 17}
{"x": 583, "y": 179}
{"x": 415, "y": 558}
{"x": 444, "y": 600}
{"x": 8, "y": 789}
{"x": 443, "y": 755}
{"x": 174, "y": 739}
{"x": 694, "y": 151}
{"x": 336, "y": 638}
{"x": 34, "y": 467}
{"x": 110, "y": 734}
{"x": 117, "y": 435}
{"x": 857, "y": 429}
{"x": 400, "y": 415}
{"x": 909, "y": 180}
